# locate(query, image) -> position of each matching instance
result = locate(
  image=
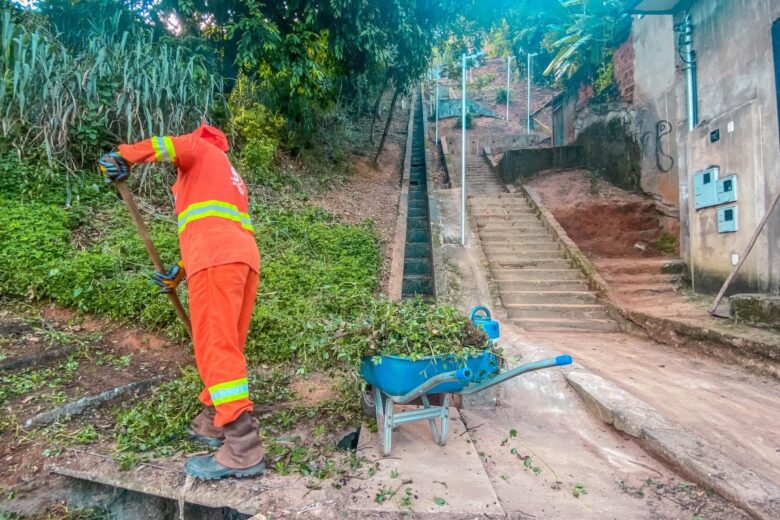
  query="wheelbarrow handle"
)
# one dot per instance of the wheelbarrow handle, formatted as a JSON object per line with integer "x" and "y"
{"x": 463, "y": 374}
{"x": 561, "y": 360}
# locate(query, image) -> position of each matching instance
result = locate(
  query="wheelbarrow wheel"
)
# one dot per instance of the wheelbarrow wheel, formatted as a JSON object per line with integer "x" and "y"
{"x": 367, "y": 402}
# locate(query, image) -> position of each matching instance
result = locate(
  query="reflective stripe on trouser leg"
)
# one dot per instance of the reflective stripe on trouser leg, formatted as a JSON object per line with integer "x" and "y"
{"x": 229, "y": 391}
{"x": 217, "y": 306}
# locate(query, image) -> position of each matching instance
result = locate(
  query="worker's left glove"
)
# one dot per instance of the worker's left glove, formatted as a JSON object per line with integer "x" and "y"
{"x": 114, "y": 167}
{"x": 169, "y": 281}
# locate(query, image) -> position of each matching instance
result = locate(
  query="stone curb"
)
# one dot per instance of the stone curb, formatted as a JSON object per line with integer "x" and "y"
{"x": 441, "y": 289}
{"x": 698, "y": 460}
{"x": 395, "y": 283}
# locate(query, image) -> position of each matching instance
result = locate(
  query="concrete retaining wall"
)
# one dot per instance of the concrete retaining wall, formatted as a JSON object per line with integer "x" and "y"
{"x": 497, "y": 143}
{"x": 525, "y": 163}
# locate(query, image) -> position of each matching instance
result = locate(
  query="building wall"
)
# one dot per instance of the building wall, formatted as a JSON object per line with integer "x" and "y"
{"x": 736, "y": 97}
{"x": 655, "y": 104}
{"x": 634, "y": 135}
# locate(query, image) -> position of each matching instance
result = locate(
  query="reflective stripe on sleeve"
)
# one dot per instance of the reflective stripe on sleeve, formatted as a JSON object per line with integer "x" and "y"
{"x": 163, "y": 149}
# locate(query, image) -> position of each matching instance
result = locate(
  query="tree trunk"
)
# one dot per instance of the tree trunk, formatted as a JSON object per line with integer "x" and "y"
{"x": 387, "y": 126}
{"x": 376, "y": 108}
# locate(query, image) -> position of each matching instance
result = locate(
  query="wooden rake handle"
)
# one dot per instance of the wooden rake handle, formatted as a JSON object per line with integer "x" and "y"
{"x": 127, "y": 196}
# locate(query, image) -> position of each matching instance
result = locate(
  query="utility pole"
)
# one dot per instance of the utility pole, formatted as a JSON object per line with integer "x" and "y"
{"x": 508, "y": 72}
{"x": 437, "y": 112}
{"x": 463, "y": 156}
{"x": 529, "y": 73}
{"x": 463, "y": 151}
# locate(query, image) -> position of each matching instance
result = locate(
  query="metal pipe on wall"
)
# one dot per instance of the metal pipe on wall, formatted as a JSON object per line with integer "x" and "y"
{"x": 688, "y": 57}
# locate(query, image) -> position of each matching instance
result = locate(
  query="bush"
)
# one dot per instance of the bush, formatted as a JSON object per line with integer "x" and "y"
{"x": 469, "y": 121}
{"x": 483, "y": 80}
{"x": 501, "y": 96}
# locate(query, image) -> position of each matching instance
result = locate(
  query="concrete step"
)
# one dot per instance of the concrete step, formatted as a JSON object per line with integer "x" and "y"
{"x": 526, "y": 256}
{"x": 414, "y": 236}
{"x": 419, "y": 250}
{"x": 572, "y": 311}
{"x": 556, "y": 263}
{"x": 510, "y": 275}
{"x": 417, "y": 266}
{"x": 522, "y": 246}
{"x": 506, "y": 218}
{"x": 514, "y": 236}
{"x": 512, "y": 196}
{"x": 547, "y": 297}
{"x": 508, "y": 227}
{"x": 412, "y": 285}
{"x": 419, "y": 211}
{"x": 555, "y": 324}
{"x": 643, "y": 289}
{"x": 502, "y": 213}
{"x": 507, "y": 286}
{"x": 640, "y": 279}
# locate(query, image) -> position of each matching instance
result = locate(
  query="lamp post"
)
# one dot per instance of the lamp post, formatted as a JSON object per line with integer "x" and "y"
{"x": 528, "y": 73}
{"x": 463, "y": 151}
{"x": 438, "y": 75}
{"x": 508, "y": 72}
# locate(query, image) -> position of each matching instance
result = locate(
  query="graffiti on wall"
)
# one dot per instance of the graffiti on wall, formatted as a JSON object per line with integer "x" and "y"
{"x": 653, "y": 143}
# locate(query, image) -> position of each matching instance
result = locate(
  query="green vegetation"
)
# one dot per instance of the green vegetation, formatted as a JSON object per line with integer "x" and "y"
{"x": 62, "y": 512}
{"x": 413, "y": 329}
{"x": 666, "y": 243}
{"x": 469, "y": 121}
{"x": 483, "y": 80}
{"x": 27, "y": 381}
{"x": 501, "y": 96}
{"x": 573, "y": 39}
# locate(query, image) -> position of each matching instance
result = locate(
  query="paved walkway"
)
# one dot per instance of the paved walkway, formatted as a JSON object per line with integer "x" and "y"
{"x": 726, "y": 405}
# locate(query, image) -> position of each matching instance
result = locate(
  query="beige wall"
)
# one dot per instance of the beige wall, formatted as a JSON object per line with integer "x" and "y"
{"x": 655, "y": 103}
{"x": 736, "y": 87}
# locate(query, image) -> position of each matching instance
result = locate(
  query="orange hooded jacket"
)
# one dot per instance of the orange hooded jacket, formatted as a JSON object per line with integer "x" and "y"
{"x": 211, "y": 200}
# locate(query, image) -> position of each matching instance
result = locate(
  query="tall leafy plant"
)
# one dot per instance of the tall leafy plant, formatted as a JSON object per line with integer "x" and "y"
{"x": 113, "y": 85}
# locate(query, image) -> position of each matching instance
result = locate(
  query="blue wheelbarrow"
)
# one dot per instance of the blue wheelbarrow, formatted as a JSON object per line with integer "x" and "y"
{"x": 398, "y": 380}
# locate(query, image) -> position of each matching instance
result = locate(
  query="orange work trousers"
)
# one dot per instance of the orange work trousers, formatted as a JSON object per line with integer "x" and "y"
{"x": 221, "y": 302}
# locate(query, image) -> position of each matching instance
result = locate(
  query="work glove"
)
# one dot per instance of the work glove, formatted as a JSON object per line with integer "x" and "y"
{"x": 169, "y": 281}
{"x": 114, "y": 167}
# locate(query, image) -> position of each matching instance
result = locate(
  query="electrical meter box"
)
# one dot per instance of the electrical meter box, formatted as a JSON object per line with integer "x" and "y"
{"x": 727, "y": 189}
{"x": 705, "y": 191}
{"x": 728, "y": 220}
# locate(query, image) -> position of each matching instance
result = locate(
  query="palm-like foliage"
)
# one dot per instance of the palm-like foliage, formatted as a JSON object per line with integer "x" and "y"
{"x": 589, "y": 27}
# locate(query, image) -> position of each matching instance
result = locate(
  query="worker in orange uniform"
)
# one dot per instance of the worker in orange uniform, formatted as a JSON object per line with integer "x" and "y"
{"x": 222, "y": 263}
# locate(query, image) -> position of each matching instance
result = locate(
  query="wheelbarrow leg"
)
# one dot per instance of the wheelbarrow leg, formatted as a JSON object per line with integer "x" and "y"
{"x": 387, "y": 427}
{"x": 431, "y": 422}
{"x": 384, "y": 435}
{"x": 445, "y": 419}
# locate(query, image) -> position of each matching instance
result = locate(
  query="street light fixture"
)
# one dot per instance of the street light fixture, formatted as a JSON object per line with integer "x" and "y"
{"x": 463, "y": 150}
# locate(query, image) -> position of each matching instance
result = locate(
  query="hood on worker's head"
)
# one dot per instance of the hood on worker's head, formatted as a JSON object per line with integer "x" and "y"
{"x": 213, "y": 135}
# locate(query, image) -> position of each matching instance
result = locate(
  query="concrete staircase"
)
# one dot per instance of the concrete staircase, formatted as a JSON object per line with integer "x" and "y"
{"x": 538, "y": 285}
{"x": 480, "y": 179}
{"x": 418, "y": 266}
